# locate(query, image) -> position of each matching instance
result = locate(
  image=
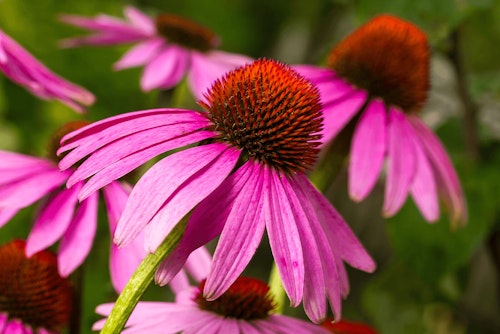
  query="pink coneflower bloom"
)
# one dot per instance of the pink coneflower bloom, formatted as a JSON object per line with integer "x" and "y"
{"x": 347, "y": 327}
{"x": 22, "y": 68}
{"x": 245, "y": 308}
{"x": 169, "y": 47}
{"x": 378, "y": 79}
{"x": 33, "y": 297}
{"x": 25, "y": 180}
{"x": 257, "y": 137}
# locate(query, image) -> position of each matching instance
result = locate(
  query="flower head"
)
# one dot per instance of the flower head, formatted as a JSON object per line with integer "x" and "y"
{"x": 378, "y": 79}
{"x": 33, "y": 297}
{"x": 25, "y": 180}
{"x": 22, "y": 68}
{"x": 258, "y": 135}
{"x": 246, "y": 308}
{"x": 169, "y": 46}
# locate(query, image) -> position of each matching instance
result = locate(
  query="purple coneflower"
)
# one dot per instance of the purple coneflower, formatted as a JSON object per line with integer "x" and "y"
{"x": 33, "y": 297}
{"x": 22, "y": 68}
{"x": 245, "y": 308}
{"x": 256, "y": 139}
{"x": 25, "y": 180}
{"x": 347, "y": 327}
{"x": 378, "y": 79}
{"x": 169, "y": 46}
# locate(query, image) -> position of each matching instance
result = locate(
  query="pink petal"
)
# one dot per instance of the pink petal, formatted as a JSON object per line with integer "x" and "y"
{"x": 14, "y": 326}
{"x": 368, "y": 150}
{"x": 190, "y": 193}
{"x": 158, "y": 184}
{"x": 166, "y": 69}
{"x": 312, "y": 250}
{"x": 447, "y": 179}
{"x": 123, "y": 261}
{"x": 198, "y": 264}
{"x": 240, "y": 237}
{"x": 120, "y": 164}
{"x": 401, "y": 165}
{"x": 207, "y": 67}
{"x": 78, "y": 238}
{"x": 337, "y": 114}
{"x": 6, "y": 214}
{"x": 200, "y": 230}
{"x": 284, "y": 238}
{"x": 423, "y": 188}
{"x": 10, "y": 159}
{"x": 140, "y": 54}
{"x": 53, "y": 220}
{"x": 140, "y": 20}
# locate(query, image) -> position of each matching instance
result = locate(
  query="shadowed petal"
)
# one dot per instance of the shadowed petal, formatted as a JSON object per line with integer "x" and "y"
{"x": 240, "y": 237}
{"x": 140, "y": 54}
{"x": 78, "y": 238}
{"x": 198, "y": 264}
{"x": 284, "y": 239}
{"x": 401, "y": 166}
{"x": 191, "y": 192}
{"x": 337, "y": 114}
{"x": 140, "y": 20}
{"x": 446, "y": 176}
{"x": 158, "y": 184}
{"x": 423, "y": 188}
{"x": 368, "y": 150}
{"x": 206, "y": 222}
{"x": 6, "y": 214}
{"x": 166, "y": 69}
{"x": 53, "y": 220}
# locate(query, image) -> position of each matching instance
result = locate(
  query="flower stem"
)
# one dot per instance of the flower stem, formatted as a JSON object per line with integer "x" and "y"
{"x": 140, "y": 280}
{"x": 276, "y": 289}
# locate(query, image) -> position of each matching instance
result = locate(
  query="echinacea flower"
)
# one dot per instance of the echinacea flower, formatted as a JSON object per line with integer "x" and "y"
{"x": 33, "y": 297}
{"x": 168, "y": 46}
{"x": 256, "y": 138}
{"x": 245, "y": 308}
{"x": 25, "y": 180}
{"x": 347, "y": 327}
{"x": 378, "y": 78}
{"x": 22, "y": 68}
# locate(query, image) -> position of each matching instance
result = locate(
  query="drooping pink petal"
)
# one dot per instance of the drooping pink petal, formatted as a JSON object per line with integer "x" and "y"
{"x": 284, "y": 239}
{"x": 3, "y": 321}
{"x": 191, "y": 192}
{"x": 77, "y": 240}
{"x": 368, "y": 149}
{"x": 198, "y": 264}
{"x": 166, "y": 69}
{"x": 9, "y": 160}
{"x": 6, "y": 214}
{"x": 446, "y": 177}
{"x": 53, "y": 220}
{"x": 207, "y": 67}
{"x": 140, "y": 20}
{"x": 337, "y": 114}
{"x": 205, "y": 223}
{"x": 158, "y": 184}
{"x": 401, "y": 166}
{"x": 123, "y": 261}
{"x": 423, "y": 188}
{"x": 314, "y": 280}
{"x": 240, "y": 237}
{"x": 289, "y": 325}
{"x": 179, "y": 283}
{"x": 140, "y": 54}
{"x": 14, "y": 326}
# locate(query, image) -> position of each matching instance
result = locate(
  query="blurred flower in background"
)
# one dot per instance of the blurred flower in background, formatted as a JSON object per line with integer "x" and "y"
{"x": 33, "y": 297}
{"x": 22, "y": 68}
{"x": 168, "y": 46}
{"x": 378, "y": 78}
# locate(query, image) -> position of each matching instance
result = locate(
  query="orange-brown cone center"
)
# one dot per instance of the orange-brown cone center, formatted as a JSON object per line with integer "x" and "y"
{"x": 184, "y": 32}
{"x": 270, "y": 112}
{"x": 31, "y": 289}
{"x": 247, "y": 299}
{"x": 389, "y": 58}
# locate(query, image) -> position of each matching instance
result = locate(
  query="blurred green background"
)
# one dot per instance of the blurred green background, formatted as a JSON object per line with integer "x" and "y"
{"x": 431, "y": 278}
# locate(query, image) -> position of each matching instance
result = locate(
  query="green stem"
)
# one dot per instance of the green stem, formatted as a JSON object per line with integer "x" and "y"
{"x": 140, "y": 280}
{"x": 276, "y": 289}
